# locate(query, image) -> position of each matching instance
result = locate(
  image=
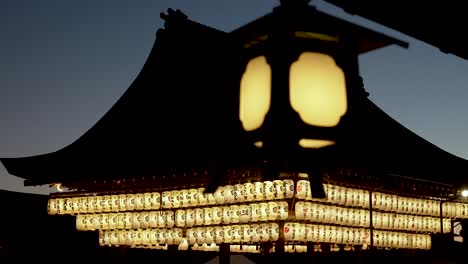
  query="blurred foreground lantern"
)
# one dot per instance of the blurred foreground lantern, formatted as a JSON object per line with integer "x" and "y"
{"x": 298, "y": 81}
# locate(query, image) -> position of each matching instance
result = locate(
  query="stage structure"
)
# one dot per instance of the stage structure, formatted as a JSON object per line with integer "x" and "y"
{"x": 260, "y": 140}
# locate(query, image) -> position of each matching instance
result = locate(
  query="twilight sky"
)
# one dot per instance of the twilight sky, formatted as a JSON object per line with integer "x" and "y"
{"x": 63, "y": 64}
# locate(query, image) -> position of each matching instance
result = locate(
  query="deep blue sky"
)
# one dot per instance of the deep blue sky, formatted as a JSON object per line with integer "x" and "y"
{"x": 63, "y": 64}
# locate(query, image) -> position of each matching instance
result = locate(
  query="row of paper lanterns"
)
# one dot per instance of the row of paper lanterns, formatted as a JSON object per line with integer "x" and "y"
{"x": 329, "y": 214}
{"x": 256, "y": 233}
{"x": 249, "y": 192}
{"x": 229, "y": 194}
{"x": 355, "y": 236}
{"x": 233, "y": 214}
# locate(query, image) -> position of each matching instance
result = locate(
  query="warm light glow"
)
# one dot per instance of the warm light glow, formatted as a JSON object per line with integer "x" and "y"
{"x": 258, "y": 144}
{"x": 315, "y": 143}
{"x": 59, "y": 187}
{"x": 464, "y": 193}
{"x": 318, "y": 89}
{"x": 255, "y": 93}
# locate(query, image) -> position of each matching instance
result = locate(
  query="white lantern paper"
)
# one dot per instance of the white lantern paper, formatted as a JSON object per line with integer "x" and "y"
{"x": 209, "y": 234}
{"x": 249, "y": 191}
{"x": 128, "y": 220}
{"x": 244, "y": 216}
{"x": 219, "y": 195}
{"x": 239, "y": 193}
{"x": 52, "y": 206}
{"x": 170, "y": 219}
{"x": 199, "y": 215}
{"x": 283, "y": 210}
{"x": 279, "y": 189}
{"x": 254, "y": 209}
{"x": 272, "y": 211}
{"x": 165, "y": 200}
{"x": 190, "y": 217}
{"x": 139, "y": 201}
{"x": 289, "y": 188}
{"x": 147, "y": 201}
{"x": 120, "y": 221}
{"x": 235, "y": 213}
{"x": 202, "y": 197}
{"x": 180, "y": 218}
{"x": 144, "y": 220}
{"x": 259, "y": 194}
{"x": 130, "y": 202}
{"x": 264, "y": 210}
{"x": 174, "y": 198}
{"x": 122, "y": 202}
{"x": 302, "y": 189}
{"x": 217, "y": 215}
{"x": 219, "y": 234}
{"x": 299, "y": 210}
{"x": 136, "y": 220}
{"x": 208, "y": 216}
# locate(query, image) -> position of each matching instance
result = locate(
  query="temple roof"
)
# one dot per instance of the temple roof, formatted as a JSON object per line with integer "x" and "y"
{"x": 179, "y": 113}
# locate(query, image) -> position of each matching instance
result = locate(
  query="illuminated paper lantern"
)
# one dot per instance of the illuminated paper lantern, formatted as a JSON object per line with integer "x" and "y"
{"x": 269, "y": 190}
{"x": 226, "y": 215}
{"x": 299, "y": 211}
{"x": 217, "y": 215}
{"x": 106, "y": 237}
{"x": 265, "y": 236}
{"x": 244, "y": 216}
{"x": 288, "y": 231}
{"x": 144, "y": 220}
{"x": 229, "y": 194}
{"x": 283, "y": 210}
{"x": 130, "y": 202}
{"x": 208, "y": 216}
{"x": 184, "y": 245}
{"x": 153, "y": 216}
{"x": 189, "y": 217}
{"x": 236, "y": 234}
{"x": 169, "y": 236}
{"x": 199, "y": 215}
{"x": 114, "y": 237}
{"x": 103, "y": 221}
{"x": 166, "y": 200}
{"x": 162, "y": 236}
{"x": 273, "y": 211}
{"x": 154, "y": 236}
{"x": 227, "y": 234}
{"x": 209, "y": 235}
{"x": 180, "y": 218}
{"x": 254, "y": 209}
{"x": 249, "y": 191}
{"x": 274, "y": 232}
{"x": 279, "y": 189}
{"x": 146, "y": 237}
{"x": 174, "y": 197}
{"x": 255, "y": 233}
{"x": 75, "y": 205}
{"x": 177, "y": 235}
{"x": 264, "y": 210}
{"x": 288, "y": 188}
{"x": 219, "y": 234}
{"x": 80, "y": 222}
{"x": 193, "y": 197}
{"x": 239, "y": 193}
{"x": 184, "y": 198}
{"x": 235, "y": 213}
{"x": 302, "y": 189}
{"x": 211, "y": 199}
{"x": 52, "y": 206}
{"x": 128, "y": 220}
{"x": 219, "y": 195}
{"x": 162, "y": 219}
{"x": 136, "y": 220}
{"x": 113, "y": 204}
{"x": 122, "y": 202}
{"x": 202, "y": 197}
{"x": 99, "y": 203}
{"x": 61, "y": 206}
{"x": 147, "y": 201}
{"x": 170, "y": 219}
{"x": 259, "y": 194}
{"x": 192, "y": 236}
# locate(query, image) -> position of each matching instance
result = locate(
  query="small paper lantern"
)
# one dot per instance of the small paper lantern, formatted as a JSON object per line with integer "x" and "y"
{"x": 106, "y": 237}
{"x": 192, "y": 236}
{"x": 147, "y": 201}
{"x": 128, "y": 220}
{"x": 130, "y": 202}
{"x": 273, "y": 211}
{"x": 264, "y": 211}
{"x": 202, "y": 197}
{"x": 170, "y": 219}
{"x": 269, "y": 190}
{"x": 114, "y": 237}
{"x": 259, "y": 194}
{"x": 249, "y": 191}
{"x": 180, "y": 218}
{"x": 227, "y": 234}
{"x": 136, "y": 220}
{"x": 219, "y": 234}
{"x": 199, "y": 215}
{"x": 162, "y": 236}
{"x": 239, "y": 193}
{"x": 235, "y": 213}
{"x": 103, "y": 221}
{"x": 283, "y": 210}
{"x": 80, "y": 222}
{"x": 209, "y": 234}
{"x": 122, "y": 202}
{"x": 189, "y": 217}
{"x": 254, "y": 209}
{"x": 274, "y": 232}
{"x": 219, "y": 195}
{"x": 217, "y": 217}
{"x": 299, "y": 211}
{"x": 236, "y": 235}
{"x": 289, "y": 188}
{"x": 208, "y": 216}
{"x": 162, "y": 219}
{"x": 177, "y": 235}
{"x": 169, "y": 236}
{"x": 83, "y": 206}
{"x": 144, "y": 220}
{"x": 122, "y": 237}
{"x": 265, "y": 237}
{"x": 52, "y": 206}
{"x": 98, "y": 200}
{"x": 184, "y": 198}
{"x": 174, "y": 197}
{"x": 193, "y": 197}
{"x": 166, "y": 200}
{"x": 279, "y": 190}
{"x": 288, "y": 231}
{"x": 244, "y": 211}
